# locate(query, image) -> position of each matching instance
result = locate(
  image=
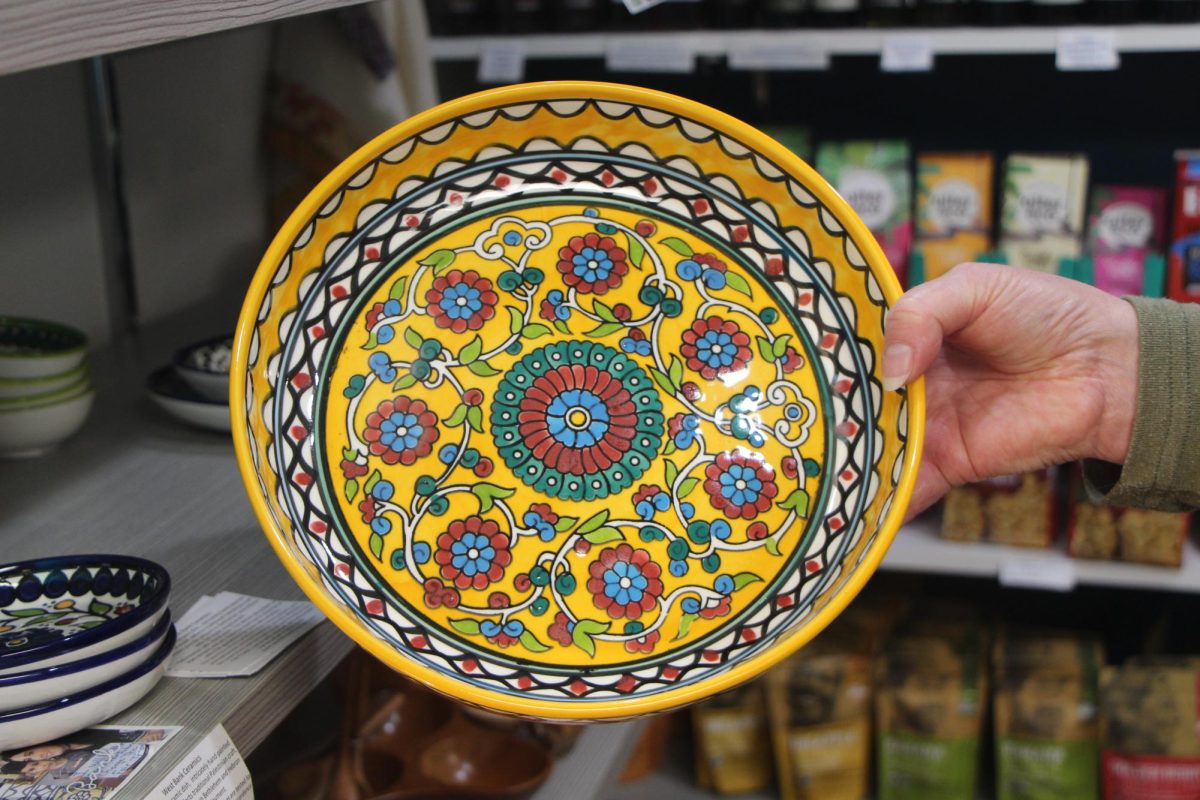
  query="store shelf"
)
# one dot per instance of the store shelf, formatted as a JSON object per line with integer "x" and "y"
{"x": 592, "y": 766}
{"x": 35, "y": 33}
{"x": 919, "y": 548}
{"x": 850, "y": 41}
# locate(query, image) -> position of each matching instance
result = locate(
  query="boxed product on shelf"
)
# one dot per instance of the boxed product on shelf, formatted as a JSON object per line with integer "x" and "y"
{"x": 954, "y": 211}
{"x": 819, "y": 705}
{"x": 1183, "y": 271}
{"x": 1044, "y": 712}
{"x": 1150, "y": 731}
{"x": 733, "y": 749}
{"x": 1014, "y": 509}
{"x": 1124, "y": 534}
{"x": 931, "y": 691}
{"x": 874, "y": 178}
{"x": 1125, "y": 229}
{"x": 1041, "y": 220}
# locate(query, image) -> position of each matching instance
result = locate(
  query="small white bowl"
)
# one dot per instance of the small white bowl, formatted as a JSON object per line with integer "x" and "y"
{"x": 32, "y": 388}
{"x": 48, "y": 721}
{"x": 168, "y": 390}
{"x": 34, "y": 348}
{"x": 205, "y": 367}
{"x": 36, "y": 686}
{"x": 31, "y": 429}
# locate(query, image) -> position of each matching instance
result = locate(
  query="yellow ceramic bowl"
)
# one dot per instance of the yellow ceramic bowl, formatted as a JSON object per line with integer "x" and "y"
{"x": 564, "y": 399}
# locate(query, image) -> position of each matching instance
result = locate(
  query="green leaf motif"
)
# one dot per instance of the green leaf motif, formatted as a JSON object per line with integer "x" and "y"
{"x": 405, "y": 381}
{"x": 531, "y": 643}
{"x": 372, "y": 342}
{"x": 565, "y": 524}
{"x": 483, "y": 369}
{"x": 662, "y": 380}
{"x": 438, "y": 260}
{"x": 468, "y": 626}
{"x": 605, "y": 329}
{"x": 603, "y": 535}
{"x": 26, "y": 612}
{"x": 636, "y": 253}
{"x": 376, "y": 545}
{"x": 772, "y": 546}
{"x": 349, "y": 453}
{"x": 603, "y": 312}
{"x": 743, "y": 579}
{"x": 371, "y": 481}
{"x": 779, "y": 349}
{"x": 99, "y": 608}
{"x": 488, "y": 493}
{"x": 413, "y": 338}
{"x": 593, "y": 522}
{"x": 91, "y": 623}
{"x": 764, "y": 348}
{"x": 562, "y": 327}
{"x": 475, "y": 418}
{"x": 686, "y": 486}
{"x": 397, "y": 290}
{"x": 797, "y": 501}
{"x": 470, "y": 351}
{"x": 351, "y": 490}
{"x": 679, "y": 246}
{"x": 585, "y": 629}
{"x": 672, "y": 472}
{"x": 685, "y": 624}
{"x": 458, "y": 416}
{"x": 534, "y": 330}
{"x": 675, "y": 371}
{"x": 516, "y": 320}
{"x": 738, "y": 284}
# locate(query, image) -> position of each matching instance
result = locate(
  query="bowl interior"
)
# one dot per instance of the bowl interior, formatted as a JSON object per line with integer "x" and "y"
{"x": 31, "y": 338}
{"x": 564, "y": 399}
{"x": 212, "y": 356}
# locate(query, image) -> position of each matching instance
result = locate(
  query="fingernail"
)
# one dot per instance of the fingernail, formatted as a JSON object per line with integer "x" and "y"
{"x": 897, "y": 364}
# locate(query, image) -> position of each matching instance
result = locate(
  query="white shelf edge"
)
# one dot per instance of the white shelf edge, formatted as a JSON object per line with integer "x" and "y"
{"x": 1147, "y": 38}
{"x": 919, "y": 548}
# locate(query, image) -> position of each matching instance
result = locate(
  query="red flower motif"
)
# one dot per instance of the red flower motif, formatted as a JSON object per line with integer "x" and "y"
{"x": 560, "y": 629}
{"x": 437, "y": 594}
{"x": 401, "y": 430}
{"x": 757, "y": 531}
{"x": 461, "y": 301}
{"x": 642, "y": 644}
{"x": 792, "y": 360}
{"x": 624, "y": 582}
{"x": 353, "y": 469}
{"x": 715, "y": 347}
{"x": 473, "y": 553}
{"x": 789, "y": 467}
{"x": 374, "y": 315}
{"x": 592, "y": 264}
{"x": 710, "y": 261}
{"x": 719, "y": 610}
{"x": 368, "y": 509}
{"x": 739, "y": 484}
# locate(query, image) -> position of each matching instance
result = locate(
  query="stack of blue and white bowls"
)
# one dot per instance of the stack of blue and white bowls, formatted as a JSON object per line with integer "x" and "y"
{"x": 194, "y": 387}
{"x": 82, "y": 638}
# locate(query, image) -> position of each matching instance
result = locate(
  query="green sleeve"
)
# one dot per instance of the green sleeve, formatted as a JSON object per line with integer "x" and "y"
{"x": 1162, "y": 469}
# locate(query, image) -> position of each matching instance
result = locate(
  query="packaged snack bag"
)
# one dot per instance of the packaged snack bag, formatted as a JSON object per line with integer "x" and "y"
{"x": 1183, "y": 270}
{"x": 1124, "y": 229}
{"x": 1150, "y": 731}
{"x": 874, "y": 179}
{"x": 819, "y": 703}
{"x": 733, "y": 751}
{"x": 954, "y": 210}
{"x": 1041, "y": 220}
{"x": 1016, "y": 510}
{"x": 929, "y": 701}
{"x": 1125, "y": 534}
{"x": 1044, "y": 710}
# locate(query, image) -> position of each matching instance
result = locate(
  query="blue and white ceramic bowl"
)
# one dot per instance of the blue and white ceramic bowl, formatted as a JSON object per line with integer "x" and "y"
{"x": 177, "y": 397}
{"x": 40, "y": 685}
{"x": 56, "y": 611}
{"x": 205, "y": 366}
{"x": 48, "y": 721}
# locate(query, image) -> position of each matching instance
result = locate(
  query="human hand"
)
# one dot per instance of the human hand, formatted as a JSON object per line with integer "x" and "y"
{"x": 1022, "y": 370}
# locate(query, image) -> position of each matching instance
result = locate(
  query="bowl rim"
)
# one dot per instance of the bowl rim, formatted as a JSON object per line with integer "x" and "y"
{"x": 80, "y": 345}
{"x": 48, "y": 398}
{"x": 84, "y": 664}
{"x": 39, "y": 379}
{"x": 78, "y": 390}
{"x": 149, "y": 665}
{"x": 194, "y": 398}
{"x": 593, "y": 710}
{"x": 180, "y": 355}
{"x": 142, "y": 611}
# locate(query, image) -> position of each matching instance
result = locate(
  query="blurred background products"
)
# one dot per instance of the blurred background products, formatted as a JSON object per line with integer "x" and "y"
{"x": 1015, "y": 509}
{"x": 733, "y": 753}
{"x": 954, "y": 210}
{"x": 1042, "y": 214}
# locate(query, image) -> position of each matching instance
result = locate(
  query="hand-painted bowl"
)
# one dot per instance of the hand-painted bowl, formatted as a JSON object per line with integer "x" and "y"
{"x": 32, "y": 388}
{"x": 205, "y": 367}
{"x": 32, "y": 348}
{"x": 181, "y": 400}
{"x": 32, "y": 426}
{"x": 62, "y": 716}
{"x": 62, "y": 610}
{"x": 42, "y": 684}
{"x": 565, "y": 400}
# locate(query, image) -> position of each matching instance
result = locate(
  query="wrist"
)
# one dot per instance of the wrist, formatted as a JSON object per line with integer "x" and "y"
{"x": 1118, "y": 361}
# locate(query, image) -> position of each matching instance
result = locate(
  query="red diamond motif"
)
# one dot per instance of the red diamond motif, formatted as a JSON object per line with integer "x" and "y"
{"x": 558, "y": 175}
{"x": 411, "y": 221}
{"x": 650, "y": 186}
{"x": 749, "y": 635}
{"x": 711, "y": 655}
{"x": 301, "y": 380}
{"x": 303, "y": 478}
{"x": 844, "y": 385}
{"x": 374, "y": 606}
{"x": 524, "y": 682}
{"x": 577, "y": 687}
{"x": 342, "y": 571}
{"x": 836, "y": 524}
{"x": 701, "y": 206}
{"x": 419, "y": 642}
{"x": 783, "y": 601}
{"x": 338, "y": 292}
{"x": 740, "y": 234}
{"x": 829, "y": 340}
{"x": 775, "y": 266}
{"x": 502, "y": 181}
{"x": 470, "y": 665}
{"x": 626, "y": 684}
{"x": 316, "y": 332}
{"x": 812, "y": 565}
{"x": 371, "y": 252}
{"x": 318, "y": 527}
{"x": 607, "y": 178}
{"x": 670, "y": 673}
{"x": 805, "y": 298}
{"x": 847, "y": 429}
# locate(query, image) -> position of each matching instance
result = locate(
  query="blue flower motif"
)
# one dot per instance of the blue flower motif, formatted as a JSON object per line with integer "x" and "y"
{"x": 537, "y": 522}
{"x": 632, "y": 345}
{"x": 713, "y": 279}
{"x": 688, "y": 269}
{"x": 448, "y": 453}
{"x": 577, "y": 418}
{"x": 678, "y": 568}
{"x": 716, "y": 349}
{"x": 420, "y": 552}
{"x": 391, "y": 308}
{"x": 690, "y": 605}
{"x": 385, "y": 334}
{"x": 591, "y": 264}
{"x": 688, "y": 510}
{"x": 740, "y": 484}
{"x": 723, "y": 584}
{"x": 490, "y": 628}
{"x": 381, "y": 524}
{"x": 720, "y": 529}
{"x": 512, "y": 238}
{"x": 683, "y": 429}
{"x": 461, "y": 301}
{"x": 624, "y": 583}
{"x": 514, "y": 628}
{"x": 472, "y": 554}
{"x": 553, "y": 308}
{"x": 383, "y": 490}
{"x": 649, "y": 500}
{"x": 401, "y": 431}
{"x": 381, "y": 365}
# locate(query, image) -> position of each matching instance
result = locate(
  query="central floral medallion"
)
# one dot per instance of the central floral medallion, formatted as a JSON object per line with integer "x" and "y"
{"x": 577, "y": 420}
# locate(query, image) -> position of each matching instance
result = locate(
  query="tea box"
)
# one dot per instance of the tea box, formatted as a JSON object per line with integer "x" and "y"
{"x": 1183, "y": 272}
{"x": 954, "y": 210}
{"x": 1042, "y": 215}
{"x": 1125, "y": 228}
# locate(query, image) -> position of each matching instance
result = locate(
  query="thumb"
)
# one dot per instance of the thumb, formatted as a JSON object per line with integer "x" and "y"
{"x": 926, "y": 315}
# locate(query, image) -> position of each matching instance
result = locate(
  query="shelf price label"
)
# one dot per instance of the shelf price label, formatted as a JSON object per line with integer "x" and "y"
{"x": 905, "y": 53}
{"x": 1086, "y": 49}
{"x": 779, "y": 57}
{"x": 1030, "y": 572}
{"x": 649, "y": 55}
{"x": 501, "y": 62}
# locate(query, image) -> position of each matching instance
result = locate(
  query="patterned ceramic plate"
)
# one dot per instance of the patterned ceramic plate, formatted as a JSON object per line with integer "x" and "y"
{"x": 564, "y": 399}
